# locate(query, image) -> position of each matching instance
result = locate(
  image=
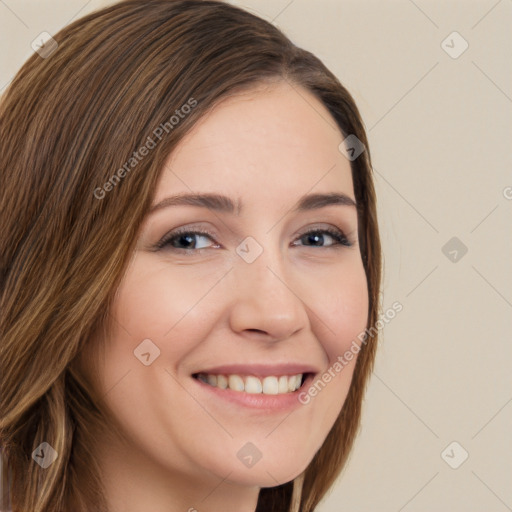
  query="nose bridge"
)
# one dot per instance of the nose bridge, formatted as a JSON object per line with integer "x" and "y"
{"x": 261, "y": 263}
{"x": 264, "y": 291}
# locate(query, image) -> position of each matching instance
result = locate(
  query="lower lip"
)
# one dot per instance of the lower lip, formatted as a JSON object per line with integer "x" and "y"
{"x": 281, "y": 402}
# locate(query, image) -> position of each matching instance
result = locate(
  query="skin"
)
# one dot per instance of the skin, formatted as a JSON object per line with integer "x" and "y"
{"x": 296, "y": 302}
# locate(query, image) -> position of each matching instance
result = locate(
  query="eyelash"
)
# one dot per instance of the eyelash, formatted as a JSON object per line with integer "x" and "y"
{"x": 338, "y": 236}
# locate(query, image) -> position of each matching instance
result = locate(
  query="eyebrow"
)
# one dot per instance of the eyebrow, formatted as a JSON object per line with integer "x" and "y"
{"x": 224, "y": 204}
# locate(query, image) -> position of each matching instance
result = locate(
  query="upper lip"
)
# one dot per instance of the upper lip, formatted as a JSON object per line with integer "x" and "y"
{"x": 261, "y": 370}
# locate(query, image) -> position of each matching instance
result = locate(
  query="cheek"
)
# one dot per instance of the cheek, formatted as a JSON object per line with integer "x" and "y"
{"x": 341, "y": 309}
{"x": 340, "y": 306}
{"x": 153, "y": 302}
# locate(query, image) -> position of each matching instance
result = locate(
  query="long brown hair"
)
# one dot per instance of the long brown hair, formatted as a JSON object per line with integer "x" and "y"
{"x": 71, "y": 120}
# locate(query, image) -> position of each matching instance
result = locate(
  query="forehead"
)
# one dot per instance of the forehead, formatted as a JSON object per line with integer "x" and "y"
{"x": 273, "y": 141}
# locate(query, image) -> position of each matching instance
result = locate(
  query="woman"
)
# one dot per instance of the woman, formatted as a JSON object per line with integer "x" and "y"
{"x": 189, "y": 246}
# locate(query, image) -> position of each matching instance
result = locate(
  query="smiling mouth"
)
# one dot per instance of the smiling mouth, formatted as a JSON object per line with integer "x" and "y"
{"x": 271, "y": 385}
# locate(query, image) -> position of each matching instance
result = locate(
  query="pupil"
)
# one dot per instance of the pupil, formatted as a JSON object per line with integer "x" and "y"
{"x": 316, "y": 237}
{"x": 189, "y": 239}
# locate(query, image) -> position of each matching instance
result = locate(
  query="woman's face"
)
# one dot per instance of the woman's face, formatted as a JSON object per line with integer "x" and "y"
{"x": 254, "y": 302}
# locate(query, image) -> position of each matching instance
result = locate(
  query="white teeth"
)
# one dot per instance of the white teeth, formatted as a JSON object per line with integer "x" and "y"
{"x": 235, "y": 383}
{"x": 283, "y": 384}
{"x": 271, "y": 385}
{"x": 253, "y": 385}
{"x": 292, "y": 383}
{"x": 222, "y": 382}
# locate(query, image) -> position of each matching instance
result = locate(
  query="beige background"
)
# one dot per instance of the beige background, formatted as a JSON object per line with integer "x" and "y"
{"x": 440, "y": 131}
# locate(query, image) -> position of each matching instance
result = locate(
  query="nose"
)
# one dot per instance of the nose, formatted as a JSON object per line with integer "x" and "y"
{"x": 264, "y": 303}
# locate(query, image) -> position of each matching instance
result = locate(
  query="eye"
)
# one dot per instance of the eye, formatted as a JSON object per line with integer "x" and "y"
{"x": 186, "y": 239}
{"x": 183, "y": 239}
{"x": 318, "y": 236}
